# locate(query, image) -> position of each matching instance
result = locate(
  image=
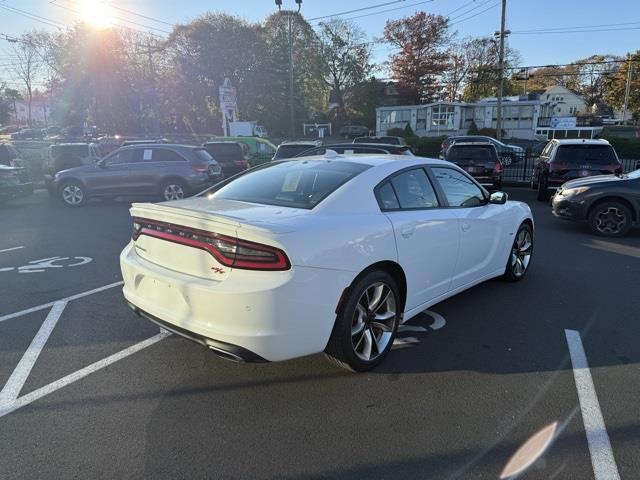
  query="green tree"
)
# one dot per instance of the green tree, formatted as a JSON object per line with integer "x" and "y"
{"x": 615, "y": 85}
{"x": 346, "y": 58}
{"x": 482, "y": 78}
{"x": 310, "y": 95}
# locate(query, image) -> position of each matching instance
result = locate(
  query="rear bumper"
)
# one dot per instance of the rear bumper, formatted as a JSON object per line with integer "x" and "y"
{"x": 256, "y": 316}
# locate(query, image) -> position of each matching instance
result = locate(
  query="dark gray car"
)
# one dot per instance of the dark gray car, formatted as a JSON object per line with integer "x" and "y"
{"x": 168, "y": 171}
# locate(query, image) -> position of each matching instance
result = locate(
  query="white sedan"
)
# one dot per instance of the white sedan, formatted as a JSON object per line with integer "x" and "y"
{"x": 320, "y": 254}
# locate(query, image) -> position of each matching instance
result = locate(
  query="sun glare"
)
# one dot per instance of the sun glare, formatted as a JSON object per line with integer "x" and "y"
{"x": 96, "y": 13}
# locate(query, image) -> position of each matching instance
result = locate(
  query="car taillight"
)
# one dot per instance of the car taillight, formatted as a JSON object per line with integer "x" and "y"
{"x": 497, "y": 168}
{"x": 229, "y": 251}
{"x": 240, "y": 163}
{"x": 559, "y": 166}
{"x": 200, "y": 168}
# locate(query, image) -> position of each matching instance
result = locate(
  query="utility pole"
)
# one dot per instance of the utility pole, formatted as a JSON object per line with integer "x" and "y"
{"x": 502, "y": 34}
{"x": 151, "y": 91}
{"x": 626, "y": 91}
{"x": 290, "y": 14}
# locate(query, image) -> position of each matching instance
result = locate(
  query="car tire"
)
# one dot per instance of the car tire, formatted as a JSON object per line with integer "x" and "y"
{"x": 173, "y": 190}
{"x": 73, "y": 194}
{"x": 520, "y": 254}
{"x": 543, "y": 190}
{"x": 610, "y": 219}
{"x": 366, "y": 323}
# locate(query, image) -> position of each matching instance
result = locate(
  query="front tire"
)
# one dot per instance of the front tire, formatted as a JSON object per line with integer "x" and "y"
{"x": 610, "y": 219}
{"x": 73, "y": 194}
{"x": 366, "y": 324}
{"x": 543, "y": 190}
{"x": 520, "y": 255}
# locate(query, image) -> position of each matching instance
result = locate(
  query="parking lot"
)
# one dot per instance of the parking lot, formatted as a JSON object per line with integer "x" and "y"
{"x": 89, "y": 390}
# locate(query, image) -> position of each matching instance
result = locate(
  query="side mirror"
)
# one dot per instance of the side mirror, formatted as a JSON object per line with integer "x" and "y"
{"x": 498, "y": 198}
{"x": 101, "y": 164}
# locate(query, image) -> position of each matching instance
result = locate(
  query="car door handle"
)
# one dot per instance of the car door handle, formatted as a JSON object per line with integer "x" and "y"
{"x": 406, "y": 232}
{"x": 465, "y": 227}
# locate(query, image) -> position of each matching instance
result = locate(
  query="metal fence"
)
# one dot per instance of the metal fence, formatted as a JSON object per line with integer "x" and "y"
{"x": 520, "y": 167}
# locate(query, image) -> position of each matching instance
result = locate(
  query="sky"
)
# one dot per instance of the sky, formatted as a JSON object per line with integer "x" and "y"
{"x": 612, "y": 27}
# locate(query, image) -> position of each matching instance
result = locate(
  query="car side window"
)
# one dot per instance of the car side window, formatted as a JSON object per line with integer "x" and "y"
{"x": 413, "y": 190}
{"x": 387, "y": 197}
{"x": 121, "y": 157}
{"x": 161, "y": 155}
{"x": 459, "y": 189}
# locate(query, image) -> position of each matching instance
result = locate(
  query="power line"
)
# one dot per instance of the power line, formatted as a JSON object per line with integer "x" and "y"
{"x": 33, "y": 16}
{"x": 476, "y": 14}
{"x": 346, "y": 12}
{"x": 64, "y": 7}
{"x": 575, "y": 27}
{"x": 459, "y": 8}
{"x": 390, "y": 10}
{"x": 480, "y": 5}
{"x": 577, "y": 31}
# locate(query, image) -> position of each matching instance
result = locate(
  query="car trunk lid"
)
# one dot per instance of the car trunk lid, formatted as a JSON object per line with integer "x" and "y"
{"x": 199, "y": 236}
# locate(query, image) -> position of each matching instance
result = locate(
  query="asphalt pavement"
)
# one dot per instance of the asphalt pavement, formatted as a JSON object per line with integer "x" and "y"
{"x": 109, "y": 396}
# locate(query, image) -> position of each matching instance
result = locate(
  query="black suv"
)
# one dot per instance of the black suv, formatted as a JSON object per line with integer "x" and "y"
{"x": 564, "y": 160}
{"x": 169, "y": 171}
{"x": 480, "y": 160}
{"x": 233, "y": 157}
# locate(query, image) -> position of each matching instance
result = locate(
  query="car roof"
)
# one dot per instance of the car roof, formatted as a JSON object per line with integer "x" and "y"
{"x": 230, "y": 142}
{"x": 580, "y": 141}
{"x": 372, "y": 159}
{"x": 70, "y": 144}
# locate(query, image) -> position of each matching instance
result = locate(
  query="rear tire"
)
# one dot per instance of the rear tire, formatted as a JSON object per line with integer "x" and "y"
{"x": 73, "y": 194}
{"x": 366, "y": 324}
{"x": 173, "y": 190}
{"x": 610, "y": 219}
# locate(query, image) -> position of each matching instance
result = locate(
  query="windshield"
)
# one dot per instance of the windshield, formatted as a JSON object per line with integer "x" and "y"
{"x": 224, "y": 151}
{"x": 586, "y": 154}
{"x": 301, "y": 184}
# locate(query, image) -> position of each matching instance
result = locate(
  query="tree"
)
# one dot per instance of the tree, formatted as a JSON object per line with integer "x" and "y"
{"x": 346, "y": 58}
{"x": 482, "y": 57}
{"x": 615, "y": 85}
{"x": 592, "y": 73}
{"x": 27, "y": 66}
{"x": 422, "y": 40}
{"x": 310, "y": 95}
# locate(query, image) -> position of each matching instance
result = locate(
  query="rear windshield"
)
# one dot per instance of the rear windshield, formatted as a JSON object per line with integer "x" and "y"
{"x": 472, "y": 154}
{"x": 291, "y": 184}
{"x": 383, "y": 140}
{"x": 586, "y": 154}
{"x": 202, "y": 154}
{"x": 288, "y": 151}
{"x": 70, "y": 151}
{"x": 224, "y": 151}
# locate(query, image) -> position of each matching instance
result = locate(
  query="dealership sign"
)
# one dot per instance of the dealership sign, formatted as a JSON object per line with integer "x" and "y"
{"x": 228, "y": 104}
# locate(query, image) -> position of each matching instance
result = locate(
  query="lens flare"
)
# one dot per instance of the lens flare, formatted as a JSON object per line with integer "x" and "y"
{"x": 96, "y": 13}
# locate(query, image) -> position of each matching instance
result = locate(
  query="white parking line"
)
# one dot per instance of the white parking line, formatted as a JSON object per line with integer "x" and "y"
{"x": 604, "y": 464}
{"x": 19, "y": 376}
{"x": 11, "y": 249}
{"x": 80, "y": 374}
{"x": 66, "y": 299}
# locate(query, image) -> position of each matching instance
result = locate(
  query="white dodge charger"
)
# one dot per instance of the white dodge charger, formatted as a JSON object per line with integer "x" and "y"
{"x": 320, "y": 254}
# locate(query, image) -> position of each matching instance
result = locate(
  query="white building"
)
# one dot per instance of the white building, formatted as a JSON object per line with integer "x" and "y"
{"x": 525, "y": 117}
{"x": 565, "y": 102}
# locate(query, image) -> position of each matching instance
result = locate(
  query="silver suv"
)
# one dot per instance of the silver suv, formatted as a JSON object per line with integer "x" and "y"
{"x": 170, "y": 172}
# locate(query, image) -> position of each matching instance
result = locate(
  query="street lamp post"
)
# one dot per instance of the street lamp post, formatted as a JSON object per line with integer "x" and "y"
{"x": 289, "y": 14}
